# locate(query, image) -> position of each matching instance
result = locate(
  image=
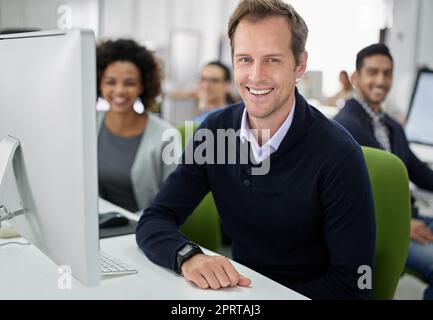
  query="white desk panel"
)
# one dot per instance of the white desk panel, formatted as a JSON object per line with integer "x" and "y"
{"x": 26, "y": 273}
{"x": 423, "y": 152}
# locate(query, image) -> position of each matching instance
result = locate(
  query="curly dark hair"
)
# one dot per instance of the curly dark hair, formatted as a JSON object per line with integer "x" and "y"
{"x": 128, "y": 50}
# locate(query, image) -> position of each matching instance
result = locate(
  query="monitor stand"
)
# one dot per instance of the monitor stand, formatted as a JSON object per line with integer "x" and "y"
{"x": 10, "y": 199}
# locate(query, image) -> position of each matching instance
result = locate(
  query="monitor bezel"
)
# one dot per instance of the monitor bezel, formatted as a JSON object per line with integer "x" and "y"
{"x": 420, "y": 72}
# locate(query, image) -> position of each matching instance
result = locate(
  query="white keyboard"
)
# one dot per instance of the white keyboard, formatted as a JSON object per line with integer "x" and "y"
{"x": 111, "y": 266}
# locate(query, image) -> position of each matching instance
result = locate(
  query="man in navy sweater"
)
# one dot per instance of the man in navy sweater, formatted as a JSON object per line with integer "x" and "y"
{"x": 307, "y": 221}
{"x": 370, "y": 126}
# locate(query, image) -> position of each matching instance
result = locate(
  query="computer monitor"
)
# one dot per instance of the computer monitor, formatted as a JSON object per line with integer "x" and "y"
{"x": 420, "y": 115}
{"x": 48, "y": 145}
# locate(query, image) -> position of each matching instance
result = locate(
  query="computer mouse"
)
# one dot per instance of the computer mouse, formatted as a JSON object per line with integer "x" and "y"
{"x": 112, "y": 219}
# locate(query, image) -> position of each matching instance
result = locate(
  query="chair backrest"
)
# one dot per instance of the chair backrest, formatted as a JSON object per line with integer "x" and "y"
{"x": 390, "y": 184}
{"x": 203, "y": 225}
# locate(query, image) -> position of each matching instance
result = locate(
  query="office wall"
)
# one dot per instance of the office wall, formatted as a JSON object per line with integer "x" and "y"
{"x": 154, "y": 22}
{"x": 150, "y": 22}
{"x": 410, "y": 40}
{"x": 426, "y": 37}
{"x": 338, "y": 30}
{"x": 49, "y": 14}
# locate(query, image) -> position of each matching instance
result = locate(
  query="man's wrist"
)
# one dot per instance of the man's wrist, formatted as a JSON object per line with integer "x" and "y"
{"x": 188, "y": 251}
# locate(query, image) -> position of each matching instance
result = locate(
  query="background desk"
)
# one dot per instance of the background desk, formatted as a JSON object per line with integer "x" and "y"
{"x": 423, "y": 152}
{"x": 26, "y": 273}
{"x": 424, "y": 198}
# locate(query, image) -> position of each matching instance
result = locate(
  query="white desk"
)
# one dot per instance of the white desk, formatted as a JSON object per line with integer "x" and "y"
{"x": 423, "y": 152}
{"x": 424, "y": 198}
{"x": 26, "y": 273}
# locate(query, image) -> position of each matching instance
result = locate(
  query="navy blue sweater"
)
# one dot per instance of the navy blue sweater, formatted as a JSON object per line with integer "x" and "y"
{"x": 354, "y": 118}
{"x": 308, "y": 224}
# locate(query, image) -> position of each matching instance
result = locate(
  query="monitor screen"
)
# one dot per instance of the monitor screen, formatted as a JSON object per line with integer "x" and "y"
{"x": 419, "y": 127}
{"x": 47, "y": 103}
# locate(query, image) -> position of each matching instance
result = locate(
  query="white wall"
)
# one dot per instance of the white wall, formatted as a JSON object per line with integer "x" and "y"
{"x": 117, "y": 18}
{"x": 338, "y": 29}
{"x": 44, "y": 14}
{"x": 425, "y": 52}
{"x": 153, "y": 23}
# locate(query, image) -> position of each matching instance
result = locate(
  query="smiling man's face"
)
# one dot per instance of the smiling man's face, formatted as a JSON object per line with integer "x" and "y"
{"x": 373, "y": 81}
{"x": 265, "y": 71}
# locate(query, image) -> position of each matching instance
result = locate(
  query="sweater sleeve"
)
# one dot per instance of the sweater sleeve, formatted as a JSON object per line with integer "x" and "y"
{"x": 157, "y": 232}
{"x": 349, "y": 229}
{"x": 419, "y": 172}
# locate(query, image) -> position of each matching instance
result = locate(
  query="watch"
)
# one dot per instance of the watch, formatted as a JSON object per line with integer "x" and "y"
{"x": 187, "y": 251}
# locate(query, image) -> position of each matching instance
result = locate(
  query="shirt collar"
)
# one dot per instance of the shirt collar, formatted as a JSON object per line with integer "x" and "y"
{"x": 275, "y": 141}
{"x": 371, "y": 113}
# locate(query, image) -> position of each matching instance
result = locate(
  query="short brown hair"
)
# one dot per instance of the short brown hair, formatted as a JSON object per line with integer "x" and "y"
{"x": 260, "y": 9}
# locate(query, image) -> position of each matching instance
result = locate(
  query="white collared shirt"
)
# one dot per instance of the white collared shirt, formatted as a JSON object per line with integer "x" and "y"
{"x": 263, "y": 152}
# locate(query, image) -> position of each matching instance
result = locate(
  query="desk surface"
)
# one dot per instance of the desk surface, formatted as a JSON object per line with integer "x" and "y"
{"x": 26, "y": 273}
{"x": 423, "y": 152}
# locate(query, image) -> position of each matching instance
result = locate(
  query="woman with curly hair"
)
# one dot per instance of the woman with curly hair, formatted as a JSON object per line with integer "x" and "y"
{"x": 130, "y": 145}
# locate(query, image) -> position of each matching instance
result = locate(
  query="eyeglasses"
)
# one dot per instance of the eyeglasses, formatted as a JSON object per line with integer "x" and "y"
{"x": 210, "y": 80}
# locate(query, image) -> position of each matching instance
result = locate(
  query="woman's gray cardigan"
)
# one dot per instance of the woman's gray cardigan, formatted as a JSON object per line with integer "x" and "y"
{"x": 149, "y": 171}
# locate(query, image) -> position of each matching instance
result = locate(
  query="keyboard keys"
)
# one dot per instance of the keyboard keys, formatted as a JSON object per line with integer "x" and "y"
{"x": 113, "y": 266}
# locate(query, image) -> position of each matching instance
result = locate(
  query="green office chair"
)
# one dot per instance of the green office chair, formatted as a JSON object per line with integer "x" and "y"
{"x": 203, "y": 225}
{"x": 390, "y": 185}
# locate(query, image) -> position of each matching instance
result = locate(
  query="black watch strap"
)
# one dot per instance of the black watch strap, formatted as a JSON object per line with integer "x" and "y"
{"x": 186, "y": 252}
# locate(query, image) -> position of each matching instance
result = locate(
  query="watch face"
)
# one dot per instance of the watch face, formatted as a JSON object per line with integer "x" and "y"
{"x": 189, "y": 250}
{"x": 185, "y": 249}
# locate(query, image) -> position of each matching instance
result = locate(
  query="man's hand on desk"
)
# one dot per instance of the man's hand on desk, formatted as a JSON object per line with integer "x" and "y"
{"x": 420, "y": 232}
{"x": 212, "y": 271}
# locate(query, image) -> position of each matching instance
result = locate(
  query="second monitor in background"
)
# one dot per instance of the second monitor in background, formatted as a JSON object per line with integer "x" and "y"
{"x": 419, "y": 130}
{"x": 420, "y": 116}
